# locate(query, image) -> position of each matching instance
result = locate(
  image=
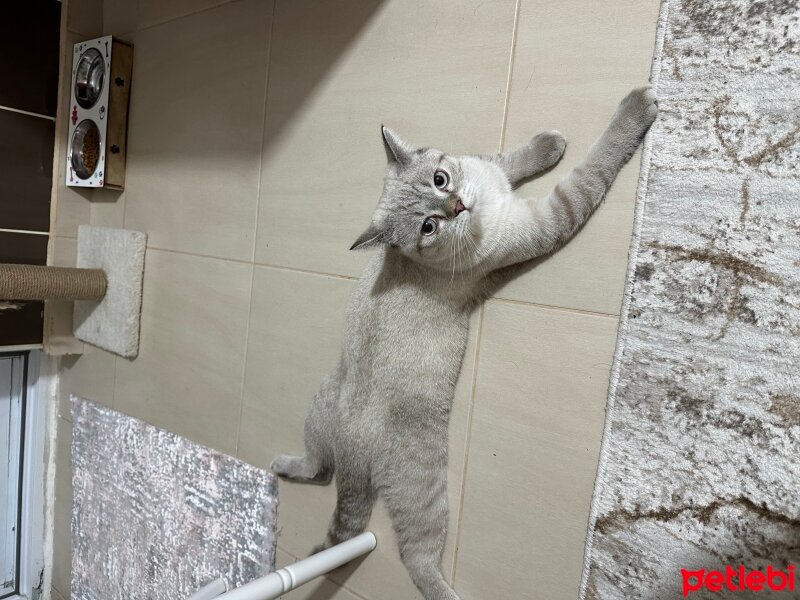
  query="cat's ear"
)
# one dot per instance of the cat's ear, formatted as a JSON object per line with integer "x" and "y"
{"x": 373, "y": 236}
{"x": 397, "y": 150}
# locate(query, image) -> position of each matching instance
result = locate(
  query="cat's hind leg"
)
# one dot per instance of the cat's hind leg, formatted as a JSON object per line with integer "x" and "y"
{"x": 355, "y": 498}
{"x": 417, "y": 503}
{"x": 317, "y": 465}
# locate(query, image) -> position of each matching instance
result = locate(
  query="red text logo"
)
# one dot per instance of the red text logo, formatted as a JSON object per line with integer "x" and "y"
{"x": 738, "y": 580}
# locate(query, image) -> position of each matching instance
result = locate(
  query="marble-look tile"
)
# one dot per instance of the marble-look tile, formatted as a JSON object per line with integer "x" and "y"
{"x": 196, "y": 113}
{"x": 188, "y": 375}
{"x": 435, "y": 72}
{"x": 536, "y": 430}
{"x": 574, "y": 61}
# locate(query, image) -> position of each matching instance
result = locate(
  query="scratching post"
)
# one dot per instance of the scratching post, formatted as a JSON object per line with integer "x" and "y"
{"x": 106, "y": 287}
{"x": 34, "y": 282}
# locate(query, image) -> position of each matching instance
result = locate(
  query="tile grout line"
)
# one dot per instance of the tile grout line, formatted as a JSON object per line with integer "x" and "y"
{"x": 255, "y": 264}
{"x": 470, "y": 414}
{"x": 510, "y": 74}
{"x": 169, "y": 20}
{"x": 255, "y": 234}
{"x": 580, "y": 311}
{"x": 479, "y": 335}
{"x": 263, "y": 130}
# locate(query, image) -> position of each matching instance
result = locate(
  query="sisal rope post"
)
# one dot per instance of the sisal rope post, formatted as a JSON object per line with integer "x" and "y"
{"x": 35, "y": 282}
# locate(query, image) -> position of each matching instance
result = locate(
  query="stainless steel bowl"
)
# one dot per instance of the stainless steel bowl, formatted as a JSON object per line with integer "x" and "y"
{"x": 84, "y": 149}
{"x": 89, "y": 78}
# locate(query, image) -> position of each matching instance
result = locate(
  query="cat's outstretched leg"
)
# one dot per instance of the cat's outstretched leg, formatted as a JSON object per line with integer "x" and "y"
{"x": 539, "y": 154}
{"x": 541, "y": 225}
{"x": 417, "y": 503}
{"x": 317, "y": 465}
{"x": 355, "y": 498}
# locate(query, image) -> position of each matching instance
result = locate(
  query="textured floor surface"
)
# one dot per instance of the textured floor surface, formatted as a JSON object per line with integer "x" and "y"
{"x": 699, "y": 463}
{"x": 156, "y": 517}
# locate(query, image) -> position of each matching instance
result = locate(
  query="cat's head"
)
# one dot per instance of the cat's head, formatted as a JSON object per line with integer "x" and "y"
{"x": 435, "y": 208}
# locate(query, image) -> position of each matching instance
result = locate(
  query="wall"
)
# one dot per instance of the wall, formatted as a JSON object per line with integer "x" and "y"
{"x": 28, "y": 99}
{"x": 255, "y": 160}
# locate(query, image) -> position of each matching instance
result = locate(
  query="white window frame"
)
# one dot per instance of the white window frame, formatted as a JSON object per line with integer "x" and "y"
{"x": 31, "y": 551}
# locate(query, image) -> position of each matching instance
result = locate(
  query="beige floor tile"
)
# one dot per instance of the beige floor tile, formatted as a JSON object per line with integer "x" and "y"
{"x": 56, "y": 595}
{"x": 62, "y": 515}
{"x": 435, "y": 72}
{"x": 295, "y": 337}
{"x": 536, "y": 430}
{"x": 188, "y": 375}
{"x": 319, "y": 589}
{"x": 196, "y": 114}
{"x": 574, "y": 61}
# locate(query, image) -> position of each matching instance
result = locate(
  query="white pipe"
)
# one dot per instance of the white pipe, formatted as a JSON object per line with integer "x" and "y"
{"x": 288, "y": 578}
{"x": 210, "y": 591}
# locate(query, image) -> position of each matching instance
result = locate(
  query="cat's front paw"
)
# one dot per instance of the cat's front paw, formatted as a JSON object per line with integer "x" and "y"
{"x": 548, "y": 148}
{"x": 638, "y": 110}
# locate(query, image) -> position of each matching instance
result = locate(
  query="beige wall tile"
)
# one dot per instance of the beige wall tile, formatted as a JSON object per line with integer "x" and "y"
{"x": 126, "y": 16}
{"x": 295, "y": 338}
{"x": 436, "y": 72}
{"x": 536, "y": 430}
{"x": 62, "y": 515}
{"x": 153, "y": 12}
{"x": 108, "y": 208}
{"x": 196, "y": 113}
{"x": 89, "y": 375}
{"x": 85, "y": 17}
{"x": 574, "y": 62}
{"x": 120, "y": 17}
{"x": 188, "y": 375}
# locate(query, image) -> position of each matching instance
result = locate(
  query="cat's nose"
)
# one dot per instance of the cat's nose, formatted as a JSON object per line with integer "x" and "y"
{"x": 456, "y": 206}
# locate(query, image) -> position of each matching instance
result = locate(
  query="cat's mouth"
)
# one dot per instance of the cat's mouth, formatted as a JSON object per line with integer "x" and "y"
{"x": 459, "y": 208}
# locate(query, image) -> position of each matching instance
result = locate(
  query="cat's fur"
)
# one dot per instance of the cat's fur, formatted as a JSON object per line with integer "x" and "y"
{"x": 379, "y": 420}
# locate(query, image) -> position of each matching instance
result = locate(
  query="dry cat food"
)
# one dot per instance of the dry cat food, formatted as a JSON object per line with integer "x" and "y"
{"x": 90, "y": 153}
{"x": 85, "y": 150}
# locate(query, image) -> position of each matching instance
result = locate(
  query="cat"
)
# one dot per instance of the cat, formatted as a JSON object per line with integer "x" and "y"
{"x": 448, "y": 231}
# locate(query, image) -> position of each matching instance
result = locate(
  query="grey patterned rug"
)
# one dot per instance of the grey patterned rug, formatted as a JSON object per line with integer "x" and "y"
{"x": 156, "y": 517}
{"x": 700, "y": 466}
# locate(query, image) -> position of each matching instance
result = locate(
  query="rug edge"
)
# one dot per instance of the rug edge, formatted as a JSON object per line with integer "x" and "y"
{"x": 641, "y": 194}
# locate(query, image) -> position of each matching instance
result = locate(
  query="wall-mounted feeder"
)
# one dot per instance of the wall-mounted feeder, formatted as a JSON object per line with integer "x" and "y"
{"x": 98, "y": 118}
{"x": 106, "y": 286}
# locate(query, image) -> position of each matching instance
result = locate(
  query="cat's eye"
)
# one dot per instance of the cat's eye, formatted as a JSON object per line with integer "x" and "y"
{"x": 441, "y": 179}
{"x": 430, "y": 225}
